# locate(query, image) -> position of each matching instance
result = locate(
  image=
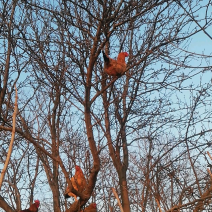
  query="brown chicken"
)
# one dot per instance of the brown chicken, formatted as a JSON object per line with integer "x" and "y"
{"x": 78, "y": 182}
{"x": 115, "y": 67}
{"x": 33, "y": 208}
{"x": 90, "y": 208}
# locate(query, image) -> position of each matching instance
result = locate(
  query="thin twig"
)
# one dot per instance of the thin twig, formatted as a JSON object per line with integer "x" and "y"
{"x": 209, "y": 172}
{"x": 209, "y": 155}
{"x": 158, "y": 203}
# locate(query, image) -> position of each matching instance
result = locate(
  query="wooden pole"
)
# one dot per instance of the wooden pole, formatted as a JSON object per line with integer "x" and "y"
{"x": 12, "y": 139}
{"x": 119, "y": 203}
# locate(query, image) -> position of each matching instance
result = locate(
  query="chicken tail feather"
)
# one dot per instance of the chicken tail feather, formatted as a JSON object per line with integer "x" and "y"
{"x": 106, "y": 58}
{"x": 66, "y": 196}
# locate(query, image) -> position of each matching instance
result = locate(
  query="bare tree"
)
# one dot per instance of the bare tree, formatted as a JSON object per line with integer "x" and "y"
{"x": 147, "y": 127}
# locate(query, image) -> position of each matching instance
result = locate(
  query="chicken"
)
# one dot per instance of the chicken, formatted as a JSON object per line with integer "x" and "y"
{"x": 115, "y": 67}
{"x": 78, "y": 182}
{"x": 33, "y": 208}
{"x": 90, "y": 208}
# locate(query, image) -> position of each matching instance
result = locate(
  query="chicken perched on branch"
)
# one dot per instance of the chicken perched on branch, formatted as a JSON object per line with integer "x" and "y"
{"x": 33, "y": 208}
{"x": 78, "y": 182}
{"x": 115, "y": 67}
{"x": 90, "y": 208}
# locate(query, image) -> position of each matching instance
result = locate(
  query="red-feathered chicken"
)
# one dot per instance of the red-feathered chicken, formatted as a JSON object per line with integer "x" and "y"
{"x": 78, "y": 182}
{"x": 115, "y": 67}
{"x": 90, "y": 208}
{"x": 33, "y": 208}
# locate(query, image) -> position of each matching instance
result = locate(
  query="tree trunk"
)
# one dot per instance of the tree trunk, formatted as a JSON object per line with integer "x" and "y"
{"x": 4, "y": 205}
{"x": 55, "y": 188}
{"x": 124, "y": 191}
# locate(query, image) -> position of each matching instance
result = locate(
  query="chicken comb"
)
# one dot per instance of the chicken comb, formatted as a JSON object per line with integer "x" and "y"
{"x": 77, "y": 167}
{"x": 126, "y": 54}
{"x": 37, "y": 201}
